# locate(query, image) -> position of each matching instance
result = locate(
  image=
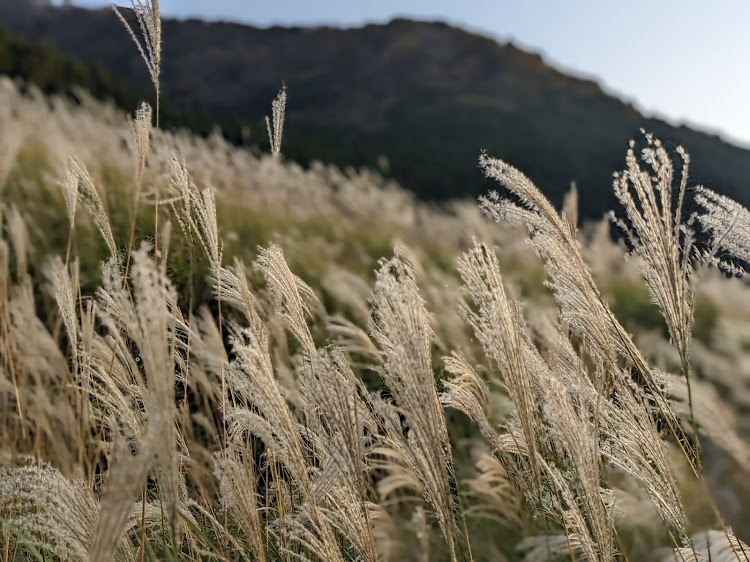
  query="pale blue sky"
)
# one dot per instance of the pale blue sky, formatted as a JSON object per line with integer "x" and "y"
{"x": 686, "y": 61}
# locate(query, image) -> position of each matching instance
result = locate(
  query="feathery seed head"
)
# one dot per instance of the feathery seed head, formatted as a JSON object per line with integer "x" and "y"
{"x": 275, "y": 129}
{"x": 149, "y": 20}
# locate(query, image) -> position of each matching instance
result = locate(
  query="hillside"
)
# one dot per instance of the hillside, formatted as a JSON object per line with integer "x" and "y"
{"x": 198, "y": 380}
{"x": 427, "y": 96}
{"x": 210, "y": 353}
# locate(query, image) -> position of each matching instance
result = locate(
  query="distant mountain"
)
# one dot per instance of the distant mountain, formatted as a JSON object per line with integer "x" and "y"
{"x": 426, "y": 96}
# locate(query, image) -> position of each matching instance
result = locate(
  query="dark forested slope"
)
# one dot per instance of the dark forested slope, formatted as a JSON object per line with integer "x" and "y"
{"x": 427, "y": 96}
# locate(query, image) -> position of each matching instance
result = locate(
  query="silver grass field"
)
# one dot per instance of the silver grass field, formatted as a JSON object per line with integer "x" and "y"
{"x": 213, "y": 354}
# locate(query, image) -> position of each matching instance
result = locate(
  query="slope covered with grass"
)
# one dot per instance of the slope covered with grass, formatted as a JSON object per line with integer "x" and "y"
{"x": 207, "y": 354}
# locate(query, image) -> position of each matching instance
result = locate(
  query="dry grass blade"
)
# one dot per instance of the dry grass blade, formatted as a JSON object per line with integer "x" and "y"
{"x": 69, "y": 188}
{"x": 628, "y": 438}
{"x": 469, "y": 394}
{"x": 714, "y": 419}
{"x": 231, "y": 284}
{"x": 253, "y": 382}
{"x": 156, "y": 337}
{"x": 467, "y": 391}
{"x": 339, "y": 417}
{"x": 350, "y": 291}
{"x": 352, "y": 338}
{"x": 10, "y": 145}
{"x": 543, "y": 548}
{"x": 352, "y": 519}
{"x": 32, "y": 346}
{"x": 637, "y": 448}
{"x": 566, "y": 502}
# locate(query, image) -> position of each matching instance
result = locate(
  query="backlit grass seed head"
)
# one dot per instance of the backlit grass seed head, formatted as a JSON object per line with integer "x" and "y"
{"x": 654, "y": 228}
{"x": 197, "y": 213}
{"x": 141, "y": 135}
{"x": 291, "y": 296}
{"x": 499, "y": 327}
{"x": 146, "y": 317}
{"x": 340, "y": 419}
{"x": 728, "y": 224}
{"x": 401, "y": 327}
{"x": 64, "y": 287}
{"x": 236, "y": 474}
{"x": 276, "y": 129}
{"x": 231, "y": 283}
{"x": 69, "y": 186}
{"x": 125, "y": 479}
{"x": 711, "y": 546}
{"x": 90, "y": 199}
{"x": 583, "y": 309}
{"x": 19, "y": 237}
{"x": 149, "y": 20}
{"x": 52, "y": 512}
{"x": 492, "y": 494}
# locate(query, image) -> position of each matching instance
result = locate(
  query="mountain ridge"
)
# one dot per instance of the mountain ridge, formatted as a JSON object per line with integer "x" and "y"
{"x": 427, "y": 96}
